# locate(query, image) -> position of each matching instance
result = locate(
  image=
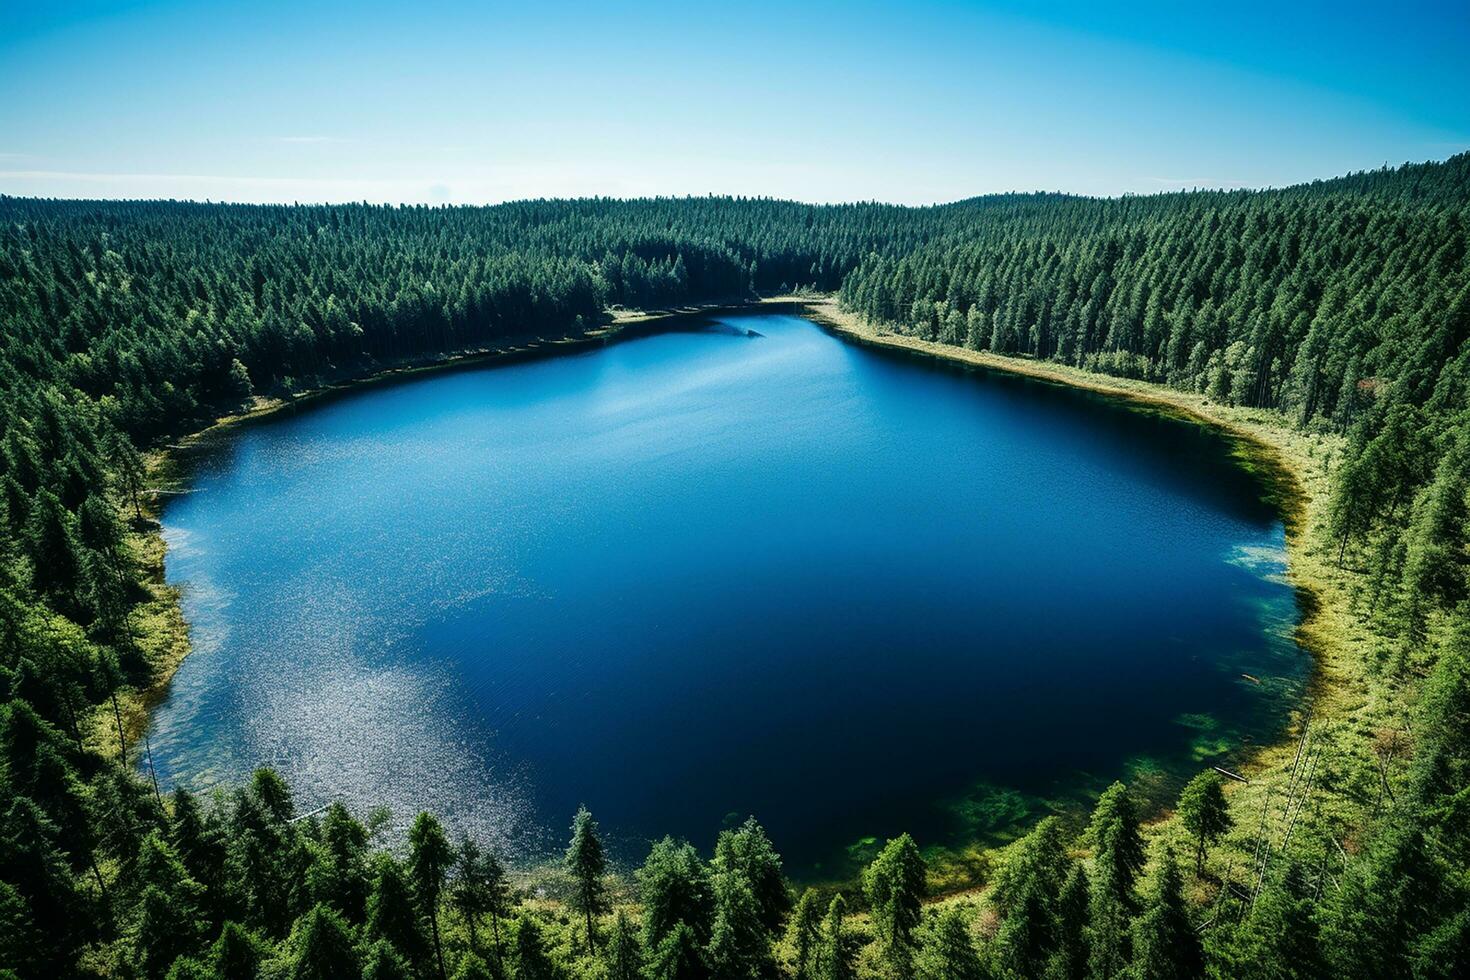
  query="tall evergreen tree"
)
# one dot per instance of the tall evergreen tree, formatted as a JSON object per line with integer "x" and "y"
{"x": 1205, "y": 814}
{"x": 1165, "y": 945}
{"x": 430, "y": 859}
{"x": 895, "y": 885}
{"x": 324, "y": 948}
{"x": 587, "y": 865}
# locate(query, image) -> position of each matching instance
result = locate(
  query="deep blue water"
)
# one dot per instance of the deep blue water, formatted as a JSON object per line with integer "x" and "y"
{"x": 699, "y": 575}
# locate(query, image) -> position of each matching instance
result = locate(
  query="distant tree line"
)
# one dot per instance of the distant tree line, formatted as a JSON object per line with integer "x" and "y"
{"x": 1342, "y": 303}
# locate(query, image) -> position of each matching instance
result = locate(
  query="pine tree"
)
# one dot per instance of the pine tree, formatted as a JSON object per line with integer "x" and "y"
{"x": 838, "y": 960}
{"x": 1118, "y": 860}
{"x": 480, "y": 888}
{"x": 949, "y": 952}
{"x": 1165, "y": 945}
{"x": 1205, "y": 814}
{"x": 337, "y": 877}
{"x": 1278, "y": 938}
{"x": 32, "y": 862}
{"x": 390, "y": 913}
{"x": 167, "y": 923}
{"x": 384, "y": 963}
{"x": 1070, "y": 960}
{"x": 895, "y": 885}
{"x": 586, "y": 864}
{"x": 805, "y": 933}
{"x": 324, "y": 948}
{"x": 236, "y": 954}
{"x": 623, "y": 958}
{"x": 748, "y": 851}
{"x": 739, "y": 945}
{"x": 531, "y": 961}
{"x": 1027, "y": 934}
{"x": 429, "y": 859}
{"x": 674, "y": 888}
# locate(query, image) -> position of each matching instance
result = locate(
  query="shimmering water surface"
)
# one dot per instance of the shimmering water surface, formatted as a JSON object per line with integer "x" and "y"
{"x": 703, "y": 574}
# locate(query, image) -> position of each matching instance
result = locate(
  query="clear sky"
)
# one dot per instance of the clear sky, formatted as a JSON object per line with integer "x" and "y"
{"x": 916, "y": 102}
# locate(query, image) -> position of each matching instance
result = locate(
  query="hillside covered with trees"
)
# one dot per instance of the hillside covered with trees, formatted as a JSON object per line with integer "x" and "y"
{"x": 1343, "y": 306}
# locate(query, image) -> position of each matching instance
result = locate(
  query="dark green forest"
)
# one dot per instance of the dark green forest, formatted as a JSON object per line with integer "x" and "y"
{"x": 1343, "y": 306}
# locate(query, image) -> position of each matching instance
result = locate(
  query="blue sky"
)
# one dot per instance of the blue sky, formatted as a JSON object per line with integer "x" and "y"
{"x": 915, "y": 103}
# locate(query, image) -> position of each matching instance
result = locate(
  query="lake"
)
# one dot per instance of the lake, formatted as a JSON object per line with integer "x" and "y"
{"x": 740, "y": 567}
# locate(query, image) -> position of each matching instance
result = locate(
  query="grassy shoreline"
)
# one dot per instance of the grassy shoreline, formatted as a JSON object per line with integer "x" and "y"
{"x": 1346, "y": 701}
{"x": 1343, "y": 699}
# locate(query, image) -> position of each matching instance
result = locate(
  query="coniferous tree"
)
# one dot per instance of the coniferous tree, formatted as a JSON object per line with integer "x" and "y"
{"x": 805, "y": 933}
{"x": 531, "y": 959}
{"x": 236, "y": 953}
{"x": 1205, "y": 814}
{"x": 838, "y": 960}
{"x": 1278, "y": 937}
{"x": 1117, "y": 863}
{"x": 383, "y": 962}
{"x": 324, "y": 948}
{"x": 895, "y": 886}
{"x": 391, "y": 913}
{"x": 673, "y": 888}
{"x": 1069, "y": 961}
{"x": 587, "y": 865}
{"x": 429, "y": 860}
{"x": 949, "y": 952}
{"x": 748, "y": 851}
{"x": 480, "y": 889}
{"x": 168, "y": 921}
{"x": 623, "y": 959}
{"x": 739, "y": 944}
{"x": 1165, "y": 946}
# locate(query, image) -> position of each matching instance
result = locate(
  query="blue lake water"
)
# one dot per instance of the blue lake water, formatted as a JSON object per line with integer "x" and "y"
{"x": 700, "y": 574}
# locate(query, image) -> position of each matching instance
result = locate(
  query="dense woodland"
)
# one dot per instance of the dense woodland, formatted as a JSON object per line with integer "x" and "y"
{"x": 1344, "y": 305}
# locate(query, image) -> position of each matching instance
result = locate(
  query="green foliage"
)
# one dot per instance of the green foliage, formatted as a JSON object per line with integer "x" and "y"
{"x": 948, "y": 951}
{"x": 1117, "y": 864}
{"x": 895, "y": 887}
{"x": 587, "y": 865}
{"x": 1278, "y": 938}
{"x": 748, "y": 852}
{"x": 623, "y": 959}
{"x": 384, "y": 963}
{"x": 480, "y": 889}
{"x": 1165, "y": 946}
{"x": 531, "y": 961}
{"x": 674, "y": 888}
{"x": 324, "y": 948}
{"x": 805, "y": 933}
{"x": 430, "y": 859}
{"x": 739, "y": 944}
{"x": 1205, "y": 814}
{"x": 392, "y": 913}
{"x": 839, "y": 949}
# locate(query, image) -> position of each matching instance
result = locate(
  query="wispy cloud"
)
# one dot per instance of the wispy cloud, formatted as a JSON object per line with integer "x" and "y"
{"x": 309, "y": 139}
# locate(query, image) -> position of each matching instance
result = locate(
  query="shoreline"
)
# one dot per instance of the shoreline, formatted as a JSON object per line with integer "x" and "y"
{"x": 1342, "y": 698}
{"x": 164, "y": 635}
{"x": 1297, "y": 467}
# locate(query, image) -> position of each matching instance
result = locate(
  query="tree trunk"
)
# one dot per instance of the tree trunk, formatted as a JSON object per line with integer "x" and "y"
{"x": 438, "y": 949}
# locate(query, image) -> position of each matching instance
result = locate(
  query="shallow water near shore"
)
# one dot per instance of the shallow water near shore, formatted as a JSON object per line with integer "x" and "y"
{"x": 704, "y": 574}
